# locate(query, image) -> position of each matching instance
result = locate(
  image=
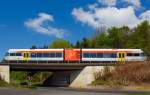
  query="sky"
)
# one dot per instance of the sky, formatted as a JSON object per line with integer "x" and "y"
{"x": 24, "y": 23}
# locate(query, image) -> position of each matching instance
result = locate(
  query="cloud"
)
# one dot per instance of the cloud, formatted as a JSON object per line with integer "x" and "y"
{"x": 107, "y": 2}
{"x": 92, "y": 6}
{"x": 145, "y": 15}
{"x": 110, "y": 16}
{"x": 98, "y": 16}
{"x": 84, "y": 17}
{"x": 37, "y": 25}
{"x": 135, "y": 3}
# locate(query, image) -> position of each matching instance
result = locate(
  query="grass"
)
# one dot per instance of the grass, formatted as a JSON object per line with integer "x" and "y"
{"x": 99, "y": 82}
{"x": 3, "y": 83}
{"x": 140, "y": 94}
{"x": 18, "y": 86}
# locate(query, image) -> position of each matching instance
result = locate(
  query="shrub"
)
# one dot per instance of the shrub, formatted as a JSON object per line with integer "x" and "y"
{"x": 3, "y": 83}
{"x": 129, "y": 73}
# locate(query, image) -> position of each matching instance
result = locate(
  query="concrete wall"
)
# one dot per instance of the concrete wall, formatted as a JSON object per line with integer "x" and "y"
{"x": 83, "y": 78}
{"x": 5, "y": 73}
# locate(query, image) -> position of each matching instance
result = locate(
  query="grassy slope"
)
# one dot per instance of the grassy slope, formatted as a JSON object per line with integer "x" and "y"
{"x": 136, "y": 73}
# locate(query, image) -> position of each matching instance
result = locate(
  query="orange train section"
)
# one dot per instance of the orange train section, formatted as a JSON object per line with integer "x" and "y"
{"x": 72, "y": 54}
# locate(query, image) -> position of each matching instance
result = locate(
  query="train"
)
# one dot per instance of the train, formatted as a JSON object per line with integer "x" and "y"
{"x": 74, "y": 55}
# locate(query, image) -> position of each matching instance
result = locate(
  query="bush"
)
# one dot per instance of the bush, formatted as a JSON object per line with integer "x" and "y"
{"x": 3, "y": 83}
{"x": 127, "y": 74}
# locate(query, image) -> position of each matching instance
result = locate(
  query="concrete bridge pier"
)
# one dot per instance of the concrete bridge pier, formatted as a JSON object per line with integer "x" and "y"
{"x": 83, "y": 78}
{"x": 5, "y": 73}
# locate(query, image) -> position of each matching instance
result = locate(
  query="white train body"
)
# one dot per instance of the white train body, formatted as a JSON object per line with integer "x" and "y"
{"x": 127, "y": 55}
{"x": 33, "y": 51}
{"x": 84, "y": 55}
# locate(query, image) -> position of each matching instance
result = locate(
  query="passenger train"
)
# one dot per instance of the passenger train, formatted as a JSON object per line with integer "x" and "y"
{"x": 74, "y": 55}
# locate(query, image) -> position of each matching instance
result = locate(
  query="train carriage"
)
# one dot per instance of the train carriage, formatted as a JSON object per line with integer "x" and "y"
{"x": 112, "y": 55}
{"x": 34, "y": 55}
{"x": 75, "y": 55}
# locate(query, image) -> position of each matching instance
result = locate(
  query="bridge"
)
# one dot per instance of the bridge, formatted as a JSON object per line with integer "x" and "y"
{"x": 79, "y": 74}
{"x": 51, "y": 66}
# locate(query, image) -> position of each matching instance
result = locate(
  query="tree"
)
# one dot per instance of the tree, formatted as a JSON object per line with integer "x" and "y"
{"x": 78, "y": 44}
{"x": 85, "y": 43}
{"x": 102, "y": 41}
{"x": 33, "y": 47}
{"x": 45, "y": 47}
{"x": 60, "y": 43}
{"x": 118, "y": 36}
{"x": 140, "y": 38}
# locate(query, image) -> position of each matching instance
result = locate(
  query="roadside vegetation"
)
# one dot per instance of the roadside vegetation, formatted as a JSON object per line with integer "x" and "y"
{"x": 132, "y": 74}
{"x": 20, "y": 79}
{"x": 139, "y": 94}
{"x": 3, "y": 83}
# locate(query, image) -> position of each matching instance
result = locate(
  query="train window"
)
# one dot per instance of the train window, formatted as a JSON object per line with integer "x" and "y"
{"x": 58, "y": 54}
{"x": 136, "y": 54}
{"x": 106, "y": 55}
{"x": 12, "y": 54}
{"x": 129, "y": 54}
{"x": 122, "y": 55}
{"x": 99, "y": 55}
{"x": 86, "y": 55}
{"x": 133, "y": 54}
{"x": 33, "y": 55}
{"x": 52, "y": 54}
{"x": 39, "y": 54}
{"x": 45, "y": 54}
{"x": 18, "y": 54}
{"x": 113, "y": 55}
{"x": 93, "y": 55}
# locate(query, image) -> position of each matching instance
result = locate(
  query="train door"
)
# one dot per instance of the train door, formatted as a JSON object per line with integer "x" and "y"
{"x": 121, "y": 57}
{"x": 25, "y": 55}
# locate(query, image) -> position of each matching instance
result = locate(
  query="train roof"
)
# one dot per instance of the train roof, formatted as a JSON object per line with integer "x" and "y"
{"x": 84, "y": 50}
{"x": 35, "y": 50}
{"x": 112, "y": 50}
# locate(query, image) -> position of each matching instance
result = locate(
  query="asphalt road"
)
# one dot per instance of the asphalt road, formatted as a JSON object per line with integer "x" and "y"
{"x": 58, "y": 91}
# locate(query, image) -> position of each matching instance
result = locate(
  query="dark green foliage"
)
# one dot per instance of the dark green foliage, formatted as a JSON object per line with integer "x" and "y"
{"x": 140, "y": 38}
{"x": 45, "y": 47}
{"x": 33, "y": 47}
{"x": 18, "y": 76}
{"x": 60, "y": 43}
{"x": 118, "y": 36}
{"x": 3, "y": 83}
{"x": 102, "y": 41}
{"x": 78, "y": 44}
{"x": 40, "y": 76}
